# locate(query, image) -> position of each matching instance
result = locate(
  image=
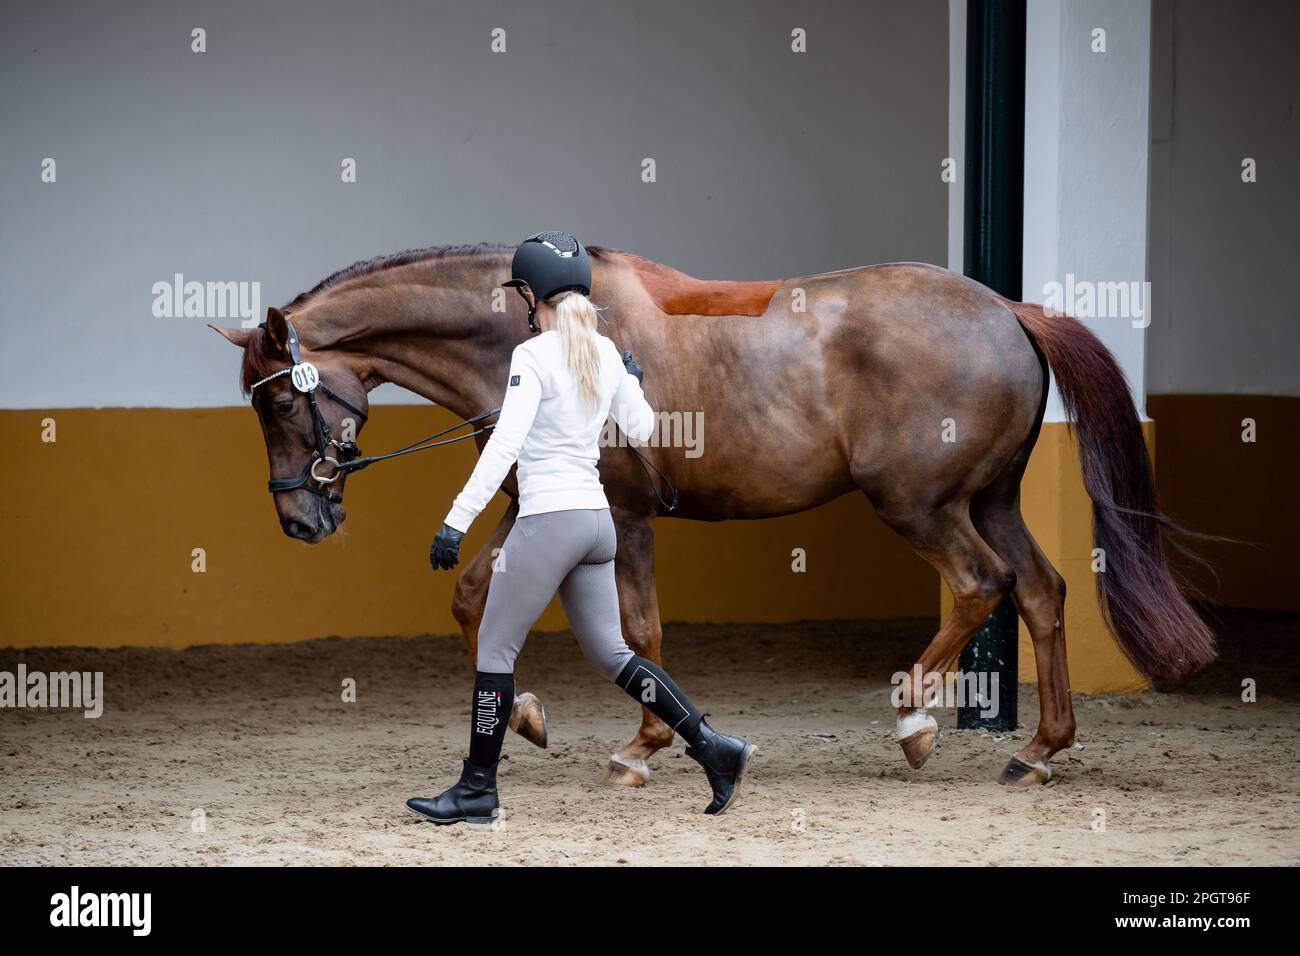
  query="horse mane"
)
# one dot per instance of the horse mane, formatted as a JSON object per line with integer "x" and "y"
{"x": 674, "y": 292}
{"x": 260, "y": 360}
{"x": 406, "y": 257}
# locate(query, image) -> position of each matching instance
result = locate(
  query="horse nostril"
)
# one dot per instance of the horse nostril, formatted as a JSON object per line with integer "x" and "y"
{"x": 297, "y": 529}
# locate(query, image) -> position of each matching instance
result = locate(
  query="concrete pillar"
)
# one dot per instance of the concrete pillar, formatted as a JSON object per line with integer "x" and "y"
{"x": 1087, "y": 136}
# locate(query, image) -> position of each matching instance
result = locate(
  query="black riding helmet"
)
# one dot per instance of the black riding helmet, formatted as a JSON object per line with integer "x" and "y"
{"x": 547, "y": 263}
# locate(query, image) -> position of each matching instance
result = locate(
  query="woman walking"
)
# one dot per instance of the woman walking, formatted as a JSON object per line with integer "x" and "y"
{"x": 563, "y": 385}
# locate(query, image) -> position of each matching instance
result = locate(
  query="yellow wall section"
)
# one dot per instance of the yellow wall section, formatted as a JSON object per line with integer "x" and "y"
{"x": 99, "y": 529}
{"x": 1215, "y": 483}
{"x": 1058, "y": 513}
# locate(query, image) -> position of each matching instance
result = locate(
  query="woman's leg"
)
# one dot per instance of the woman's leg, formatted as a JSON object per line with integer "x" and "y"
{"x": 536, "y": 555}
{"x": 590, "y": 598}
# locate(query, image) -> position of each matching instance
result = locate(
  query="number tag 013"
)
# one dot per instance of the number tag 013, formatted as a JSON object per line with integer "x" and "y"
{"x": 305, "y": 377}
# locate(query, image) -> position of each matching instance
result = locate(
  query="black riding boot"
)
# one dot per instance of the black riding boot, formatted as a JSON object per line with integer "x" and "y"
{"x": 724, "y": 760}
{"x": 472, "y": 800}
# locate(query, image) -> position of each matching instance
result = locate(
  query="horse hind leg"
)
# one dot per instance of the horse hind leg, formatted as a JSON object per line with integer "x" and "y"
{"x": 639, "y": 611}
{"x": 1040, "y": 599}
{"x": 978, "y": 579}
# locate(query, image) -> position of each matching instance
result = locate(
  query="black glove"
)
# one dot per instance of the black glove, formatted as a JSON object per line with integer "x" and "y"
{"x": 444, "y": 554}
{"x": 629, "y": 363}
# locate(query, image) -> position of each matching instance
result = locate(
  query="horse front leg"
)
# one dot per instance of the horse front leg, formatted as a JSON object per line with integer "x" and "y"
{"x": 638, "y": 601}
{"x": 527, "y": 717}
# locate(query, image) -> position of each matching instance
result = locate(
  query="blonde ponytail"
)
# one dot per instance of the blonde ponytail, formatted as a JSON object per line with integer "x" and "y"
{"x": 575, "y": 318}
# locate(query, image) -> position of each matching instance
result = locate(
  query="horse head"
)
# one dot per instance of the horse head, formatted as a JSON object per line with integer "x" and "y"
{"x": 311, "y": 405}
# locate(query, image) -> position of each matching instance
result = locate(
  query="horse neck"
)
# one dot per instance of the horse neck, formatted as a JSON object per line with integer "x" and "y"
{"x": 428, "y": 330}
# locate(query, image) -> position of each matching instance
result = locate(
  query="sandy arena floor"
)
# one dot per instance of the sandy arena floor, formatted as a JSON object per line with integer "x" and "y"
{"x": 258, "y": 737}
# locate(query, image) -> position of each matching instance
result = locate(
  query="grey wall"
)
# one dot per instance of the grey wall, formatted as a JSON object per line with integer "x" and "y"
{"x": 1224, "y": 254}
{"x": 224, "y": 166}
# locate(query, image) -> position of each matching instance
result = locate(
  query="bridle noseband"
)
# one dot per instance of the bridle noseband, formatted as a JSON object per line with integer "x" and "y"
{"x": 307, "y": 380}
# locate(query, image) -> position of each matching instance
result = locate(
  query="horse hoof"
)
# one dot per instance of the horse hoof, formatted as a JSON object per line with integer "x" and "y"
{"x": 528, "y": 719}
{"x": 917, "y": 734}
{"x": 627, "y": 773}
{"x": 919, "y": 746}
{"x": 1018, "y": 773}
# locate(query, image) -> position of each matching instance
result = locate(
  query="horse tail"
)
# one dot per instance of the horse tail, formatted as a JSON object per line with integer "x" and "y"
{"x": 1145, "y": 606}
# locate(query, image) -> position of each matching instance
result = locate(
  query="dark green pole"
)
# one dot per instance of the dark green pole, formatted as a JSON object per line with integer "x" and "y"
{"x": 994, "y": 210}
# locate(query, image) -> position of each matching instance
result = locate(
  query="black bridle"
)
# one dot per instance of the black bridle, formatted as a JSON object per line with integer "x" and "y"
{"x": 307, "y": 379}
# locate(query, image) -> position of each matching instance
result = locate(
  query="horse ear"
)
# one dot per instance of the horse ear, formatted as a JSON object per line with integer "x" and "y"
{"x": 277, "y": 327}
{"x": 237, "y": 337}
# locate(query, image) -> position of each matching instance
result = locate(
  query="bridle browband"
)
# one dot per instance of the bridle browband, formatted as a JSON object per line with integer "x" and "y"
{"x": 307, "y": 379}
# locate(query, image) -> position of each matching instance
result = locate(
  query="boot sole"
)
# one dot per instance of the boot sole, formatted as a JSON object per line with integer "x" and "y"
{"x": 745, "y": 757}
{"x": 476, "y": 821}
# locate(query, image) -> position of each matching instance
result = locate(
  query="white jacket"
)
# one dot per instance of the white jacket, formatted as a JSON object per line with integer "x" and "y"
{"x": 553, "y": 434}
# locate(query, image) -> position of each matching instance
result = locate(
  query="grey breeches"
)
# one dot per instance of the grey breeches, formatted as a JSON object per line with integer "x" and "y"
{"x": 571, "y": 552}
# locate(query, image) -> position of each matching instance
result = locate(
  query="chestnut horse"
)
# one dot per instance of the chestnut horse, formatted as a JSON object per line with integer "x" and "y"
{"x": 917, "y": 387}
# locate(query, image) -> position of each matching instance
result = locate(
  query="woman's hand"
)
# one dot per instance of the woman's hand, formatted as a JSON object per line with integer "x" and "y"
{"x": 633, "y": 369}
{"x": 444, "y": 554}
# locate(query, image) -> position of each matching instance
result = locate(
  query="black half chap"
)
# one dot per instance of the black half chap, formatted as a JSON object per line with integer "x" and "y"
{"x": 570, "y": 552}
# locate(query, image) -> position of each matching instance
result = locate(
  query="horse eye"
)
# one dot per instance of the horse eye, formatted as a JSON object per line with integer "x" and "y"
{"x": 285, "y": 408}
